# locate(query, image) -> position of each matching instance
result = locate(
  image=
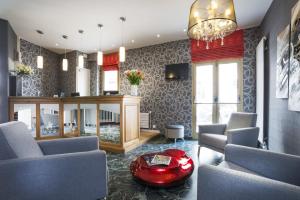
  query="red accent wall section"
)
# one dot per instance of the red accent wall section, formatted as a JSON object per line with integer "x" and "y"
{"x": 233, "y": 48}
{"x": 111, "y": 62}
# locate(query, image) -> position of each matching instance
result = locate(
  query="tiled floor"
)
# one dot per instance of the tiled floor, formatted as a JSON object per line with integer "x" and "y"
{"x": 122, "y": 187}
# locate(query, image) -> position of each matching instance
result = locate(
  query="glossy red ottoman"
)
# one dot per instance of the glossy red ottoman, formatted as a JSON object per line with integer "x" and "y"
{"x": 180, "y": 168}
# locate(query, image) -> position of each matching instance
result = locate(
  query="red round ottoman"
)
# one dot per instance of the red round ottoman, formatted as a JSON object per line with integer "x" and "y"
{"x": 180, "y": 168}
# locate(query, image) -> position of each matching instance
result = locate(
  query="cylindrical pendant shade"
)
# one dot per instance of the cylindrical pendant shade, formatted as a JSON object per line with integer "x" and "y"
{"x": 40, "y": 62}
{"x": 65, "y": 64}
{"x": 122, "y": 54}
{"x": 211, "y": 19}
{"x": 80, "y": 61}
{"x": 100, "y": 58}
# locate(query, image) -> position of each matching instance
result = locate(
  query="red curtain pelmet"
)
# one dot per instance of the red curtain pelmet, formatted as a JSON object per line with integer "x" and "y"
{"x": 233, "y": 48}
{"x": 111, "y": 62}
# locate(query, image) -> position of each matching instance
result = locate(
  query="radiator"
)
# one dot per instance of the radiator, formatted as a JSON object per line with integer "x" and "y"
{"x": 145, "y": 120}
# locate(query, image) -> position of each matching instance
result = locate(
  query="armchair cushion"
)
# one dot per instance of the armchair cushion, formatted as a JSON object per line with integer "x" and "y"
{"x": 241, "y": 120}
{"x": 243, "y": 136}
{"x": 216, "y": 183}
{"x": 215, "y": 140}
{"x": 17, "y": 142}
{"x": 281, "y": 167}
{"x": 69, "y": 145}
{"x": 230, "y": 165}
{"x": 213, "y": 128}
{"x": 80, "y": 176}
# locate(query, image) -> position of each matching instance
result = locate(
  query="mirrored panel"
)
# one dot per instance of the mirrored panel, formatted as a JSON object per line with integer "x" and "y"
{"x": 26, "y": 113}
{"x": 49, "y": 124}
{"x": 70, "y": 119}
{"x": 109, "y": 116}
{"x": 88, "y": 119}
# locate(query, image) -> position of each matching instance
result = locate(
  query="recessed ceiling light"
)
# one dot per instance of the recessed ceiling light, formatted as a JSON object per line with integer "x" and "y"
{"x": 56, "y": 44}
{"x": 40, "y": 32}
{"x": 184, "y": 30}
{"x": 158, "y": 35}
{"x": 132, "y": 41}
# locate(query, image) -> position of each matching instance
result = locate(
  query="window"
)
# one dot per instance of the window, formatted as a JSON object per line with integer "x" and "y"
{"x": 217, "y": 91}
{"x": 111, "y": 80}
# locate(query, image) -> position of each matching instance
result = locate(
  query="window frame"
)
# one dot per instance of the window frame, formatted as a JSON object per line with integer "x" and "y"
{"x": 215, "y": 64}
{"x": 103, "y": 80}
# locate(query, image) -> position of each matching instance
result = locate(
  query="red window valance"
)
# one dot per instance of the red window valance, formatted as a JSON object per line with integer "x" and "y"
{"x": 111, "y": 62}
{"x": 233, "y": 48}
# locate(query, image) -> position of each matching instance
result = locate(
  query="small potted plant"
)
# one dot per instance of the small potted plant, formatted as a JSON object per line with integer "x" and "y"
{"x": 134, "y": 77}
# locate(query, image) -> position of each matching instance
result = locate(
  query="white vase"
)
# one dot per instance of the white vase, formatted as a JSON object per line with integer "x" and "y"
{"x": 134, "y": 90}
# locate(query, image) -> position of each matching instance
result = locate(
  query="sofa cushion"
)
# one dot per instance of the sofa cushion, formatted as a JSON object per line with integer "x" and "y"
{"x": 215, "y": 140}
{"x": 230, "y": 165}
{"x": 18, "y": 142}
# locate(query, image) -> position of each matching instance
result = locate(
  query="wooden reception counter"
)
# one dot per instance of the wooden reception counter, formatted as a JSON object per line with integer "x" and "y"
{"x": 114, "y": 119}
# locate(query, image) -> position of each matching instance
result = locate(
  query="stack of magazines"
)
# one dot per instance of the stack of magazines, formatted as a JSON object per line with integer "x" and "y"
{"x": 157, "y": 159}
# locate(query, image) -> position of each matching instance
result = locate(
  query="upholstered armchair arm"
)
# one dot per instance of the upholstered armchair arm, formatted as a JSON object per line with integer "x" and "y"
{"x": 65, "y": 176}
{"x": 281, "y": 167}
{"x": 69, "y": 145}
{"x": 243, "y": 136}
{"x": 212, "y": 128}
{"x": 216, "y": 183}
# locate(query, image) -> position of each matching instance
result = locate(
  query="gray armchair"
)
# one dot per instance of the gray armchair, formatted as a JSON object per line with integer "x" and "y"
{"x": 249, "y": 173}
{"x": 60, "y": 169}
{"x": 240, "y": 130}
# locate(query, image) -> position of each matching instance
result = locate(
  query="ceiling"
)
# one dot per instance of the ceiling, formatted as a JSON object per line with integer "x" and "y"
{"x": 145, "y": 20}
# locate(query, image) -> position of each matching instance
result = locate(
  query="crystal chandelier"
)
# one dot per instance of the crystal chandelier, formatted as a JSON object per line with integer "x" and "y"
{"x": 211, "y": 20}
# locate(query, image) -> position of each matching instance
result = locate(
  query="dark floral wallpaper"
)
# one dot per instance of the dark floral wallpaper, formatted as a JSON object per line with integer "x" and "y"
{"x": 92, "y": 65}
{"x": 251, "y": 40}
{"x": 67, "y": 79}
{"x": 169, "y": 101}
{"x": 43, "y": 82}
{"x": 50, "y": 79}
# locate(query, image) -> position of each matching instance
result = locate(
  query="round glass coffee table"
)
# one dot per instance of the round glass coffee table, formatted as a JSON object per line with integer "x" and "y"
{"x": 180, "y": 168}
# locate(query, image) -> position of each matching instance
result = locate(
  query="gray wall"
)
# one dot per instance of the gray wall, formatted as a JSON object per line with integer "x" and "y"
{"x": 283, "y": 125}
{"x": 8, "y": 46}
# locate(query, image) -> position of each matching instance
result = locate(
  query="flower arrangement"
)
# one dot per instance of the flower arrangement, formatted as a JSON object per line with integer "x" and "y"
{"x": 134, "y": 76}
{"x": 23, "y": 69}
